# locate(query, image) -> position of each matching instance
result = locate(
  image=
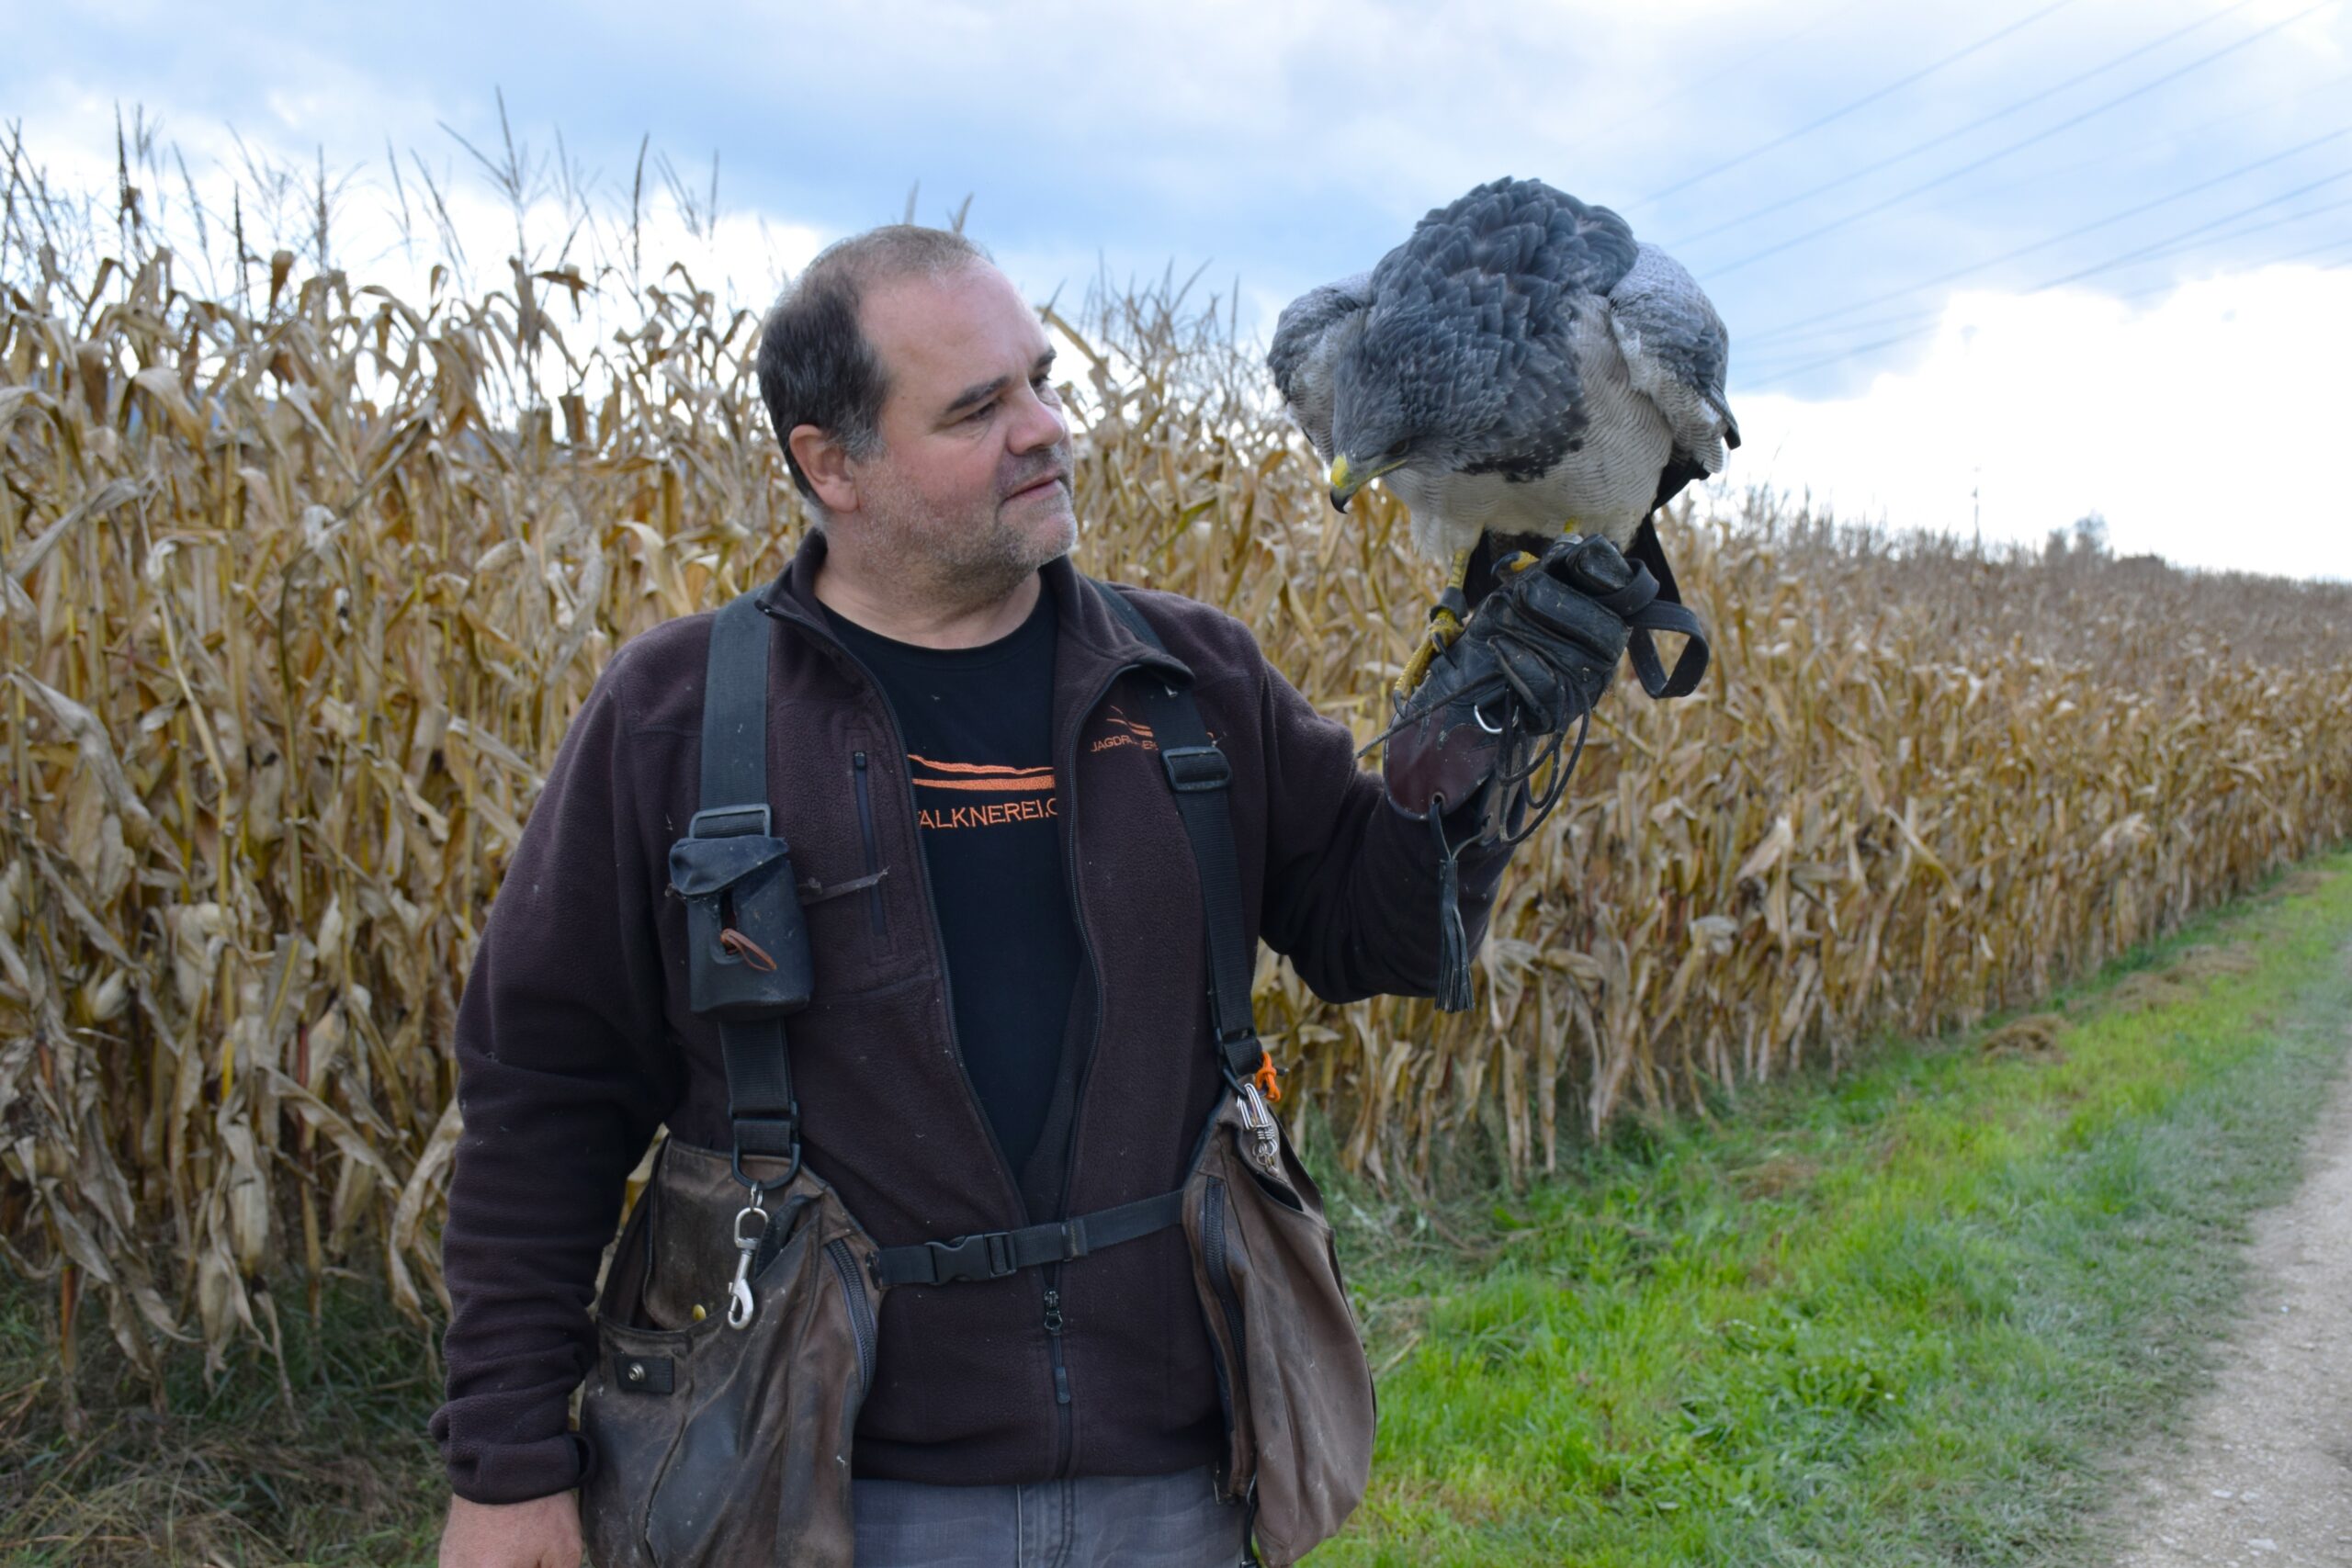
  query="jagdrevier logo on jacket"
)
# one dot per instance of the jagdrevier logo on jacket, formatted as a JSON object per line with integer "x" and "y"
{"x": 980, "y": 795}
{"x": 1124, "y": 731}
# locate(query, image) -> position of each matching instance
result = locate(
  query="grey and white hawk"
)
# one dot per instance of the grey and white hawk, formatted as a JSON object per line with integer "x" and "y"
{"x": 1521, "y": 367}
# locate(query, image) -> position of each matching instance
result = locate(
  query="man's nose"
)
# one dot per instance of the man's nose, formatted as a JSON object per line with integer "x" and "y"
{"x": 1036, "y": 422}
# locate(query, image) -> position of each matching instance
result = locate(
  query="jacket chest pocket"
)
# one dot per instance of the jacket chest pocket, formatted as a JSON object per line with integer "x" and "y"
{"x": 842, "y": 812}
{"x": 862, "y": 785}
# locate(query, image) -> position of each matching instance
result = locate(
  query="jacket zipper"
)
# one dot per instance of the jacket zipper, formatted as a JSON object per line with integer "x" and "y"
{"x": 861, "y": 1311}
{"x": 1053, "y": 1341}
{"x": 873, "y": 854}
{"x": 1212, "y": 1257}
{"x": 1065, "y": 1451}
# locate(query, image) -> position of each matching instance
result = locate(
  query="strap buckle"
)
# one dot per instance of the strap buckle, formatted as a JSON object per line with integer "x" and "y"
{"x": 1192, "y": 769}
{"x": 764, "y": 1134}
{"x": 988, "y": 1255}
{"x": 731, "y": 821}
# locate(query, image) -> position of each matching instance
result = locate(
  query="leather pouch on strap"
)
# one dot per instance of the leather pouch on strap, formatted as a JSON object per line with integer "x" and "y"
{"x": 718, "y": 1445}
{"x": 749, "y": 943}
{"x": 1291, "y": 1369}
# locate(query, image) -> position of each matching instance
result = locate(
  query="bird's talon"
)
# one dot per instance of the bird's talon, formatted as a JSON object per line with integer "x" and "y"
{"x": 1417, "y": 669}
{"x": 1445, "y": 627}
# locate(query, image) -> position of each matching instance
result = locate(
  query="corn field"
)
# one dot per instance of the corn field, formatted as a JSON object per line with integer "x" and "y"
{"x": 304, "y": 579}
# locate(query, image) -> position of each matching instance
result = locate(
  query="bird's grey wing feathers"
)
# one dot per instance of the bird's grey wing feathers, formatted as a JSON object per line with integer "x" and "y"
{"x": 1675, "y": 353}
{"x": 1482, "y": 300}
{"x": 1306, "y": 339}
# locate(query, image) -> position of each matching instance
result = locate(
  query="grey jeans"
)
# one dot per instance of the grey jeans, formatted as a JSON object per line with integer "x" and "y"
{"x": 1133, "y": 1521}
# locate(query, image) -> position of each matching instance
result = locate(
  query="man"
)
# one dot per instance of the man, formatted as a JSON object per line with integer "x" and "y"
{"x": 1009, "y": 1018}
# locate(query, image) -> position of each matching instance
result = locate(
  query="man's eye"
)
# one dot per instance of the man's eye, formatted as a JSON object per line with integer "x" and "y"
{"x": 979, "y": 413}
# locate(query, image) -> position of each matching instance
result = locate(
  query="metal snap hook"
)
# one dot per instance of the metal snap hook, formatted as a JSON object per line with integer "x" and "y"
{"x": 739, "y": 1293}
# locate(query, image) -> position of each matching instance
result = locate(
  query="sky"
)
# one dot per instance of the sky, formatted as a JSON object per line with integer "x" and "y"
{"x": 1987, "y": 267}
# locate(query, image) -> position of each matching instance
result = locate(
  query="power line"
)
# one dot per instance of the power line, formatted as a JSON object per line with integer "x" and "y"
{"x": 2076, "y": 233}
{"x": 1741, "y": 61}
{"x": 1810, "y": 341}
{"x": 1862, "y": 102}
{"x": 2196, "y": 133}
{"x": 1949, "y": 175}
{"x": 2151, "y": 252}
{"x": 2159, "y": 247}
{"x": 1922, "y": 321}
{"x": 2106, "y": 165}
{"x": 1977, "y": 124}
{"x": 2338, "y": 242}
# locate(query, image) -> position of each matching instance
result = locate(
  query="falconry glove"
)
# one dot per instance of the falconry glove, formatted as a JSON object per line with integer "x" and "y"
{"x": 1539, "y": 649}
{"x": 1491, "y": 720}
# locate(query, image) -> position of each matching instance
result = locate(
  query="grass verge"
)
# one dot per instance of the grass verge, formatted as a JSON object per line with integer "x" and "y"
{"x": 1911, "y": 1315}
{"x": 1906, "y": 1315}
{"x": 333, "y": 1470}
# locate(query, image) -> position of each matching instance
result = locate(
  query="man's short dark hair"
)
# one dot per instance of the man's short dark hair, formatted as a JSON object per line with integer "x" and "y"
{"x": 816, "y": 366}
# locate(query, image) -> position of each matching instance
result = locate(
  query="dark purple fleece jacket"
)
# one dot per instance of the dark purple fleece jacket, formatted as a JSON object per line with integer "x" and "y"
{"x": 575, "y": 1043}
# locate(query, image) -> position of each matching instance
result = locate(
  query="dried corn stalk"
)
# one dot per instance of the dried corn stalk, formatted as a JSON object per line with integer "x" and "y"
{"x": 301, "y": 590}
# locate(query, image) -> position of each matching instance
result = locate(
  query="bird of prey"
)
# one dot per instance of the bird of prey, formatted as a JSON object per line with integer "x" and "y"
{"x": 1521, "y": 367}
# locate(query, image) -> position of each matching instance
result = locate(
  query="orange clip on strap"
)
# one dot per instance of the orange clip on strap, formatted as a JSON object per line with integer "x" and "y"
{"x": 1264, "y": 1078}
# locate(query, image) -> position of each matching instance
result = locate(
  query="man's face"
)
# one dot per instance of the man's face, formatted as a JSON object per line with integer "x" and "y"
{"x": 972, "y": 486}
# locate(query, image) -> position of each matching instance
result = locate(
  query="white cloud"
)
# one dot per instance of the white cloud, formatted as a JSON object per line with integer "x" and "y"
{"x": 2208, "y": 428}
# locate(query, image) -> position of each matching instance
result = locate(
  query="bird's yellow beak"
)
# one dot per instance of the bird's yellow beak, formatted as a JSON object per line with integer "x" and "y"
{"x": 1343, "y": 485}
{"x": 1346, "y": 480}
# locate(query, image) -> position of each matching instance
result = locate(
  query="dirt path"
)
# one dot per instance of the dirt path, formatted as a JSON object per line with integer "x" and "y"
{"x": 2262, "y": 1474}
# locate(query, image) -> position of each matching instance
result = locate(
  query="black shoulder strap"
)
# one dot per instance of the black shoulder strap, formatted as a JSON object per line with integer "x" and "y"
{"x": 1200, "y": 776}
{"x": 760, "y": 1107}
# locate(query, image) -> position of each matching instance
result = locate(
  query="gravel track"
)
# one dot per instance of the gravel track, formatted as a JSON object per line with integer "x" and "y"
{"x": 2260, "y": 1475}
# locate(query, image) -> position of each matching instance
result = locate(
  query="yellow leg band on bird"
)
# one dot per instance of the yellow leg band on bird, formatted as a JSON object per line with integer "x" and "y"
{"x": 1443, "y": 627}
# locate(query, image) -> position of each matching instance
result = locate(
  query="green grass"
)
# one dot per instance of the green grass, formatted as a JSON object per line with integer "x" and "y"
{"x": 1915, "y": 1313}
{"x": 1914, "y": 1316}
{"x": 233, "y": 1474}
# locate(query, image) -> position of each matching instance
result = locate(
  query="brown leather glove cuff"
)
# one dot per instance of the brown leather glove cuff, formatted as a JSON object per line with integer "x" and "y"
{"x": 1444, "y": 753}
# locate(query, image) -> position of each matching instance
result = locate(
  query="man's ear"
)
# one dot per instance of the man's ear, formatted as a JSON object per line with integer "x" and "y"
{"x": 827, "y": 466}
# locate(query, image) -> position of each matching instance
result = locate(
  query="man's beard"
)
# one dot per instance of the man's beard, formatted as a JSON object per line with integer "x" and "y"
{"x": 980, "y": 557}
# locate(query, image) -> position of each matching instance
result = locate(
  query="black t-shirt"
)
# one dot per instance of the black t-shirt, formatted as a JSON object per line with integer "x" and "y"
{"x": 978, "y": 725}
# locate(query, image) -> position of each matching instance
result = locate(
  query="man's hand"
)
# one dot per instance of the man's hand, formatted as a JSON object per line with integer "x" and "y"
{"x": 1556, "y": 629}
{"x": 1539, "y": 649}
{"x": 541, "y": 1533}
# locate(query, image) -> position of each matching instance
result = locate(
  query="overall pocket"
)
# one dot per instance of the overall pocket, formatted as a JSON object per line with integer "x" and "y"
{"x": 718, "y": 1445}
{"x": 1291, "y": 1365}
